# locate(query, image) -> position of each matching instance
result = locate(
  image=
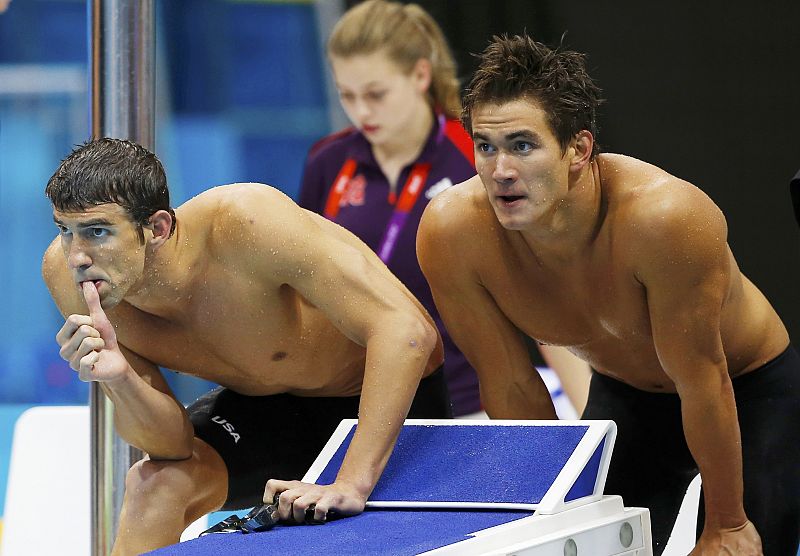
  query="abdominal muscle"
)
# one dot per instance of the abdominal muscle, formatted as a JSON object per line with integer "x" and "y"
{"x": 319, "y": 361}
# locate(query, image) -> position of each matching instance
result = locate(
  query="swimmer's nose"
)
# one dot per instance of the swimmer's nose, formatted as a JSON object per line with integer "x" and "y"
{"x": 504, "y": 169}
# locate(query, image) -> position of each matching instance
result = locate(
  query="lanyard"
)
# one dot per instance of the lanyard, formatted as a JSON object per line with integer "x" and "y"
{"x": 408, "y": 198}
{"x": 339, "y": 186}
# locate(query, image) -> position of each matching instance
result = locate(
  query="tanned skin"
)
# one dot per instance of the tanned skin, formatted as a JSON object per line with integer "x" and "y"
{"x": 625, "y": 265}
{"x": 255, "y": 294}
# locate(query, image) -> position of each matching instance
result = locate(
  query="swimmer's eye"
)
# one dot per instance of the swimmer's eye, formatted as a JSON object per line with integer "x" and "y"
{"x": 524, "y": 146}
{"x": 96, "y": 233}
{"x": 485, "y": 148}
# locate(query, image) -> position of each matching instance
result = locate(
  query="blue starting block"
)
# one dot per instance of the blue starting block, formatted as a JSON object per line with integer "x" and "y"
{"x": 455, "y": 487}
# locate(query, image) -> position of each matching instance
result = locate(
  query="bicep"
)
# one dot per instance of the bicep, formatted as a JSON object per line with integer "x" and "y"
{"x": 490, "y": 341}
{"x": 686, "y": 281}
{"x": 483, "y": 333}
{"x": 351, "y": 286}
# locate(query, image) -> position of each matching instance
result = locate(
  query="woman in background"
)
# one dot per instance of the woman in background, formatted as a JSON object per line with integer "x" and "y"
{"x": 397, "y": 83}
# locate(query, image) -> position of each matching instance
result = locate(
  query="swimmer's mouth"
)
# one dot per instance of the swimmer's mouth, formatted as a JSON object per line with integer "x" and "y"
{"x": 510, "y": 198}
{"x": 95, "y": 282}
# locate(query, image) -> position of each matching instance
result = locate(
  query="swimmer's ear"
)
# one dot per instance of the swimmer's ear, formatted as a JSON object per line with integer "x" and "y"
{"x": 160, "y": 223}
{"x": 580, "y": 150}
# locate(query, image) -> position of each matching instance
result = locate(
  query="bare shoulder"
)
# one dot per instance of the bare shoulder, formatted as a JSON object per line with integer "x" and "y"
{"x": 258, "y": 228}
{"x": 659, "y": 216}
{"x": 455, "y": 210}
{"x": 59, "y": 282}
{"x": 246, "y": 214}
{"x": 233, "y": 203}
{"x": 458, "y": 233}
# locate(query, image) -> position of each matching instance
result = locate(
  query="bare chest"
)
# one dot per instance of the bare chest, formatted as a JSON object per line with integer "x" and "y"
{"x": 593, "y": 306}
{"x": 242, "y": 336}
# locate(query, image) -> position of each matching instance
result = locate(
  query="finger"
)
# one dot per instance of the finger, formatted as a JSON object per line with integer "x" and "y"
{"x": 99, "y": 318}
{"x": 92, "y": 300}
{"x": 88, "y": 345}
{"x": 275, "y": 487}
{"x": 71, "y": 324}
{"x": 321, "y": 509}
{"x": 86, "y": 367}
{"x": 270, "y": 490}
{"x": 286, "y": 502}
{"x": 301, "y": 504}
{"x": 69, "y": 349}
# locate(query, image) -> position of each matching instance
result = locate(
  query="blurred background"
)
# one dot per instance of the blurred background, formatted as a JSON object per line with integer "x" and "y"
{"x": 709, "y": 91}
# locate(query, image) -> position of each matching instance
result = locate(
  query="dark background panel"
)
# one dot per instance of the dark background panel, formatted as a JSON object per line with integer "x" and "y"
{"x": 709, "y": 91}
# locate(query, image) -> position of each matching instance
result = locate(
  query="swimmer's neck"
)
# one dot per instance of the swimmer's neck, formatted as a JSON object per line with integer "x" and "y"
{"x": 573, "y": 225}
{"x": 166, "y": 284}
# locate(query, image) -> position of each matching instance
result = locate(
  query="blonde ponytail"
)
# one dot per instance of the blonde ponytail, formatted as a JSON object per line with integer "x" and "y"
{"x": 407, "y": 33}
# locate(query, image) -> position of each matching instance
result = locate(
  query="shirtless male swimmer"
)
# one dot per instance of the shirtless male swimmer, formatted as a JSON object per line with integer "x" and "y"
{"x": 629, "y": 268}
{"x": 292, "y": 315}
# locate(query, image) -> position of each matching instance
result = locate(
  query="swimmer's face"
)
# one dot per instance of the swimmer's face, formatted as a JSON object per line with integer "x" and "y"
{"x": 520, "y": 162}
{"x": 380, "y": 99}
{"x": 102, "y": 244}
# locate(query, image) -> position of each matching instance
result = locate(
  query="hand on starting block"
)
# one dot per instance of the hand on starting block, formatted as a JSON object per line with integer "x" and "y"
{"x": 310, "y": 503}
{"x": 263, "y": 518}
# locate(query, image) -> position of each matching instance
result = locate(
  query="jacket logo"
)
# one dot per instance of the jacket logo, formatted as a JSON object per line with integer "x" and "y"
{"x": 227, "y": 426}
{"x": 438, "y": 187}
{"x": 354, "y": 195}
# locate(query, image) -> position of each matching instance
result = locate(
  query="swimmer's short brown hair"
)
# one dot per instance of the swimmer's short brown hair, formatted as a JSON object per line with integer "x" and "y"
{"x": 111, "y": 171}
{"x": 520, "y": 68}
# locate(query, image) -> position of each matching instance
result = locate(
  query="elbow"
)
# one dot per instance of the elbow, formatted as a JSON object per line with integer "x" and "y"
{"x": 425, "y": 337}
{"x": 176, "y": 452}
{"x": 183, "y": 450}
{"x": 175, "y": 446}
{"x": 410, "y": 336}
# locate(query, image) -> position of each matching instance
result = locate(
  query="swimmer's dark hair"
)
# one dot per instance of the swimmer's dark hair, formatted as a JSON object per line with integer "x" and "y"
{"x": 520, "y": 68}
{"x": 111, "y": 171}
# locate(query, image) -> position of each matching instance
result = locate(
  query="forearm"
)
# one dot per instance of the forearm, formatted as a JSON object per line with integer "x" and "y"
{"x": 573, "y": 373}
{"x": 149, "y": 419}
{"x": 394, "y": 367}
{"x": 712, "y": 433}
{"x": 526, "y": 397}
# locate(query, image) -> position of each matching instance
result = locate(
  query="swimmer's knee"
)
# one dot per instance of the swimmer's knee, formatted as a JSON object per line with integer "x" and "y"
{"x": 158, "y": 478}
{"x": 187, "y": 479}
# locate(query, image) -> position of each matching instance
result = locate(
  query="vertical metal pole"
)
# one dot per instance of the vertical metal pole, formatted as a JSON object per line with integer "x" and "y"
{"x": 122, "y": 65}
{"x": 328, "y": 13}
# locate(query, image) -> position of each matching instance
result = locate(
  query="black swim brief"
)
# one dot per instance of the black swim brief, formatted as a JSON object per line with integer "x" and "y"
{"x": 279, "y": 436}
{"x": 652, "y": 464}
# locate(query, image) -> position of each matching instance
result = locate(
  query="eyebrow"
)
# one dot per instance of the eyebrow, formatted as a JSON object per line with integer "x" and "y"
{"x": 523, "y": 134}
{"x": 88, "y": 223}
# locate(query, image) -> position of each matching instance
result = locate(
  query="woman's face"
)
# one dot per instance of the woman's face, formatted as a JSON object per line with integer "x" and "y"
{"x": 379, "y": 98}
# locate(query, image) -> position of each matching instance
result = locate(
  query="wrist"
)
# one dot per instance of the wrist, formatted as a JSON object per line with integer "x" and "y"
{"x": 362, "y": 487}
{"x": 120, "y": 382}
{"x": 727, "y": 520}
